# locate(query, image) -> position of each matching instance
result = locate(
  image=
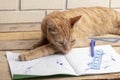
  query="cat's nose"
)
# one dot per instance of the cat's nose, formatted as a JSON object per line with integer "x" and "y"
{"x": 65, "y": 52}
{"x": 66, "y": 49}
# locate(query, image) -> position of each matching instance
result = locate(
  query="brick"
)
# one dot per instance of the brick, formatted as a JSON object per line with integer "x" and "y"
{"x": 20, "y": 27}
{"x": 117, "y": 10}
{"x": 16, "y": 45}
{"x": 20, "y": 35}
{"x": 50, "y": 11}
{"x": 8, "y": 4}
{"x": 43, "y": 4}
{"x": 115, "y": 3}
{"x": 21, "y": 16}
{"x": 87, "y": 3}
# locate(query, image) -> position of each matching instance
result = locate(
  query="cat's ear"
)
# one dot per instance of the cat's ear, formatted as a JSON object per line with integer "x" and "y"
{"x": 51, "y": 26}
{"x": 74, "y": 20}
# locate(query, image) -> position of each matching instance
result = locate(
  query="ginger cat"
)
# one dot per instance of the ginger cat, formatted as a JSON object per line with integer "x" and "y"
{"x": 65, "y": 30}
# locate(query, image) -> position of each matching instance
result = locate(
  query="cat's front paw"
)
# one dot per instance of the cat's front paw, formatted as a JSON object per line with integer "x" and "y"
{"x": 24, "y": 56}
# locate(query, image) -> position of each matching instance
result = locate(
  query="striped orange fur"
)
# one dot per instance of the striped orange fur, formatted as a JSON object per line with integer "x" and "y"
{"x": 65, "y": 30}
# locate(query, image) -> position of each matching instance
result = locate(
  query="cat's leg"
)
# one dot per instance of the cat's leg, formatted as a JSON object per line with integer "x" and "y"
{"x": 44, "y": 50}
{"x": 41, "y": 42}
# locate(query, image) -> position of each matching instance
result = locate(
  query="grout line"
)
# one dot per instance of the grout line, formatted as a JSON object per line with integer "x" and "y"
{"x": 17, "y": 31}
{"x": 20, "y": 23}
{"x": 115, "y": 7}
{"x": 7, "y": 9}
{"x": 19, "y": 5}
{"x": 38, "y": 9}
{"x": 66, "y": 6}
{"x": 109, "y": 3}
{"x": 46, "y": 13}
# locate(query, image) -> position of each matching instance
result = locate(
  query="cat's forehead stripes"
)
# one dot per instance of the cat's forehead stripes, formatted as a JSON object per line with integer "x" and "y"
{"x": 63, "y": 27}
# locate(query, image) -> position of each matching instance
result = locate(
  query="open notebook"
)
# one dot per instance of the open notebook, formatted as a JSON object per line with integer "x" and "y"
{"x": 75, "y": 63}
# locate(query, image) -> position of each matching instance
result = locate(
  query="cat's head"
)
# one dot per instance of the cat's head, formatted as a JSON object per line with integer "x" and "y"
{"x": 59, "y": 32}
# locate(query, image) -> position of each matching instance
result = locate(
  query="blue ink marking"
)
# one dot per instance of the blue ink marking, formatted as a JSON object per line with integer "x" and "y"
{"x": 30, "y": 67}
{"x": 106, "y": 67}
{"x": 59, "y": 63}
{"x": 112, "y": 58}
{"x": 89, "y": 63}
{"x": 87, "y": 69}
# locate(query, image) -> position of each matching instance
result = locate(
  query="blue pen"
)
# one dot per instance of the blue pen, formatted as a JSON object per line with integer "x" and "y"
{"x": 92, "y": 44}
{"x": 97, "y": 56}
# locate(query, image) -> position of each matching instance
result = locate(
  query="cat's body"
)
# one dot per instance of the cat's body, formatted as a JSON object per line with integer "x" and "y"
{"x": 65, "y": 30}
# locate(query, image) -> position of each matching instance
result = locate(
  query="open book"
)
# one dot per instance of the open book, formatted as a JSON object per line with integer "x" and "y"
{"x": 75, "y": 63}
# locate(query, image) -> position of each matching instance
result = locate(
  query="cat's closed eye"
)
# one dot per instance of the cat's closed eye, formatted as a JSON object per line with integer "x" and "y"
{"x": 73, "y": 41}
{"x": 61, "y": 43}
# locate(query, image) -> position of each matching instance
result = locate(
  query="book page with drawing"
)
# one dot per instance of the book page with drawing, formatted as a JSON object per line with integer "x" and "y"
{"x": 81, "y": 60}
{"x": 45, "y": 66}
{"x": 77, "y": 62}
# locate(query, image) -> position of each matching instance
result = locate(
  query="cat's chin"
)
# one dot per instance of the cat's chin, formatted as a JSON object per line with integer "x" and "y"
{"x": 65, "y": 52}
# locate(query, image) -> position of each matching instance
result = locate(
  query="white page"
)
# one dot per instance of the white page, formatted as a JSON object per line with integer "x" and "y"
{"x": 80, "y": 59}
{"x": 50, "y": 65}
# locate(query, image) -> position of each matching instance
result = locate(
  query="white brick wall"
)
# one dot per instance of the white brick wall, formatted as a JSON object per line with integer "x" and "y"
{"x": 88, "y": 3}
{"x": 8, "y": 4}
{"x": 42, "y": 4}
{"x": 115, "y": 3}
{"x": 20, "y": 19}
{"x": 27, "y": 11}
{"x": 117, "y": 9}
{"x": 21, "y": 16}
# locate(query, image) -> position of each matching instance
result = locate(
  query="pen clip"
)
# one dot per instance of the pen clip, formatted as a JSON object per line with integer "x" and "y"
{"x": 93, "y": 42}
{"x": 92, "y": 47}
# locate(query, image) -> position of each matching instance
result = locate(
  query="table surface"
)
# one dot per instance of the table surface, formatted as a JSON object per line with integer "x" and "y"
{"x": 5, "y": 71}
